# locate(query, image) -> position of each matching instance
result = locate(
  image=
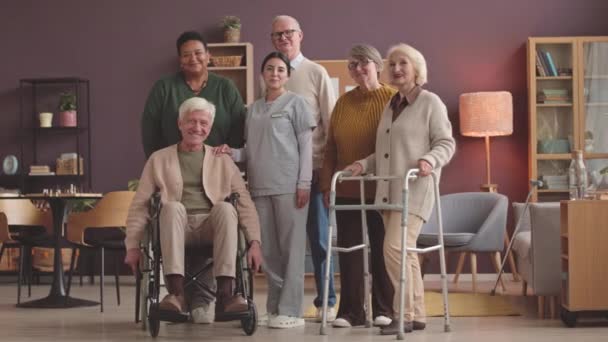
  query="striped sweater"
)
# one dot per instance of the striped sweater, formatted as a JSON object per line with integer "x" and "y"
{"x": 352, "y": 135}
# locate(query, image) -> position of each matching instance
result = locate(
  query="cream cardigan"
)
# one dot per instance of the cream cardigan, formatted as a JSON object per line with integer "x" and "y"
{"x": 422, "y": 131}
{"x": 221, "y": 177}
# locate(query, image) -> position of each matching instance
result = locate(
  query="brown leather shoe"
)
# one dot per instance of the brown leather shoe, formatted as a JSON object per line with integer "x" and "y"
{"x": 173, "y": 303}
{"x": 418, "y": 325}
{"x": 393, "y": 328}
{"x": 233, "y": 304}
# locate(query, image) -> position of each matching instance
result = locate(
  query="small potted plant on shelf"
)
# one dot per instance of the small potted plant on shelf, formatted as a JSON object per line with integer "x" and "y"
{"x": 232, "y": 28}
{"x": 67, "y": 109}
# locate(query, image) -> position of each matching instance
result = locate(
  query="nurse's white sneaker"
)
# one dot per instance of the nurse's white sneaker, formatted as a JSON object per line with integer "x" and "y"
{"x": 331, "y": 314}
{"x": 263, "y": 319}
{"x": 204, "y": 314}
{"x": 285, "y": 322}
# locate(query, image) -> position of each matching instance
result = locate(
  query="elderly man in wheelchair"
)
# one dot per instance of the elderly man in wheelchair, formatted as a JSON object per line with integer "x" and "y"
{"x": 193, "y": 184}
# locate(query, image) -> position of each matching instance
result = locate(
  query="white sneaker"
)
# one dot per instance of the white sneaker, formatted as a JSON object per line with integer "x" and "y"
{"x": 263, "y": 319}
{"x": 382, "y": 321}
{"x": 285, "y": 322}
{"x": 204, "y": 314}
{"x": 331, "y": 314}
{"x": 341, "y": 323}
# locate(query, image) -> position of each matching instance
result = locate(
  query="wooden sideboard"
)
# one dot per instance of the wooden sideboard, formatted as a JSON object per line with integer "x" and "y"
{"x": 584, "y": 258}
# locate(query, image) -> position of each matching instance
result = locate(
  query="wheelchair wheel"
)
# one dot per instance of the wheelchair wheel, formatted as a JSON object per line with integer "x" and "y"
{"x": 250, "y": 324}
{"x": 153, "y": 320}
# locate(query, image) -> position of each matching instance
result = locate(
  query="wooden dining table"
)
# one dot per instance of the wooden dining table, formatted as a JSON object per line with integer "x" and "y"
{"x": 57, "y": 297}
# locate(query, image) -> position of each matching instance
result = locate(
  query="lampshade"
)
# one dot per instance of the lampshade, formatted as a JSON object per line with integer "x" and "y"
{"x": 486, "y": 114}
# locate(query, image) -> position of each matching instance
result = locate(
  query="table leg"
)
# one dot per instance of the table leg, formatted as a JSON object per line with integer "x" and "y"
{"x": 57, "y": 297}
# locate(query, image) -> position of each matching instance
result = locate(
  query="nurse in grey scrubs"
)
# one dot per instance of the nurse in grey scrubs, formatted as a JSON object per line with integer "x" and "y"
{"x": 278, "y": 152}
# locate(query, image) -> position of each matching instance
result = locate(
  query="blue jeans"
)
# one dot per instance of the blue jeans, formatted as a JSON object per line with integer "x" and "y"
{"x": 316, "y": 227}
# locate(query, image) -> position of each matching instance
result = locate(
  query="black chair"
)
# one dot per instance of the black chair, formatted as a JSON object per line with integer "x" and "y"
{"x": 101, "y": 229}
{"x": 24, "y": 226}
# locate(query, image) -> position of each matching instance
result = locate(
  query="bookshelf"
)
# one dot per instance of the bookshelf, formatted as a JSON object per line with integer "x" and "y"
{"x": 568, "y": 109}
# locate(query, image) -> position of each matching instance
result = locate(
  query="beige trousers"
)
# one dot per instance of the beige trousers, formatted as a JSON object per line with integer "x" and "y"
{"x": 414, "y": 291}
{"x": 177, "y": 230}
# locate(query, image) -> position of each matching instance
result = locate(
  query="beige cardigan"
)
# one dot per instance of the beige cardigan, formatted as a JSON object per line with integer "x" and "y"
{"x": 422, "y": 131}
{"x": 221, "y": 177}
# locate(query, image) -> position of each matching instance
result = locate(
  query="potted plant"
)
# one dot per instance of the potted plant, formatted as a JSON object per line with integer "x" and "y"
{"x": 232, "y": 28}
{"x": 67, "y": 109}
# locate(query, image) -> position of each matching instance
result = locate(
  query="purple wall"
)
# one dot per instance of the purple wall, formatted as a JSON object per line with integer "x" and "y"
{"x": 124, "y": 46}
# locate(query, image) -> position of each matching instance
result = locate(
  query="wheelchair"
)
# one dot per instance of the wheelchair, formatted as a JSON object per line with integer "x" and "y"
{"x": 148, "y": 280}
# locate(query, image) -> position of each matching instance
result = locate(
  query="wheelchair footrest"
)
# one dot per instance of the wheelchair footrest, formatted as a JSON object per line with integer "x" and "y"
{"x": 232, "y": 316}
{"x": 172, "y": 316}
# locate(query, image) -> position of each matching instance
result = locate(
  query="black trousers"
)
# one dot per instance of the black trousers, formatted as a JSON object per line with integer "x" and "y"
{"x": 351, "y": 266}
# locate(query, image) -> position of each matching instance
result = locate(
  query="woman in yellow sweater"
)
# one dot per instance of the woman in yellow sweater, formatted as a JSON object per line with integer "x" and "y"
{"x": 352, "y": 135}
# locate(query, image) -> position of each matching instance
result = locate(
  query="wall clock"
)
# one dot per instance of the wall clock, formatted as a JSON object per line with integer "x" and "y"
{"x": 10, "y": 165}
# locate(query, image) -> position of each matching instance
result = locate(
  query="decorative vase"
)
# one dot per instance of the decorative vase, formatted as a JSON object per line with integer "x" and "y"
{"x": 232, "y": 35}
{"x": 46, "y": 119}
{"x": 67, "y": 118}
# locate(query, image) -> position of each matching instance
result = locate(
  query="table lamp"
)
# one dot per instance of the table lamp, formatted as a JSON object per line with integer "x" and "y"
{"x": 486, "y": 114}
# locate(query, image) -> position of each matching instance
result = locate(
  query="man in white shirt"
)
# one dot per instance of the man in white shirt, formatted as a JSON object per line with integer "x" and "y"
{"x": 311, "y": 81}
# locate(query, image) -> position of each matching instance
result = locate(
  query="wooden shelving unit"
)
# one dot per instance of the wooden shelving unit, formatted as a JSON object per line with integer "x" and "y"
{"x": 241, "y": 75}
{"x": 568, "y": 121}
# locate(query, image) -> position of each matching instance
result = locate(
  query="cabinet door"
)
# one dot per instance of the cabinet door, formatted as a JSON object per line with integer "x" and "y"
{"x": 594, "y": 97}
{"x": 553, "y": 115}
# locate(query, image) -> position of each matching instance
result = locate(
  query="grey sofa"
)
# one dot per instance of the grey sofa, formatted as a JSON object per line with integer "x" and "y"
{"x": 537, "y": 250}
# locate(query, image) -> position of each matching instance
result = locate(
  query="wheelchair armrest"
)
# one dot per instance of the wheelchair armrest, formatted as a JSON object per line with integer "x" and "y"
{"x": 155, "y": 204}
{"x": 233, "y": 198}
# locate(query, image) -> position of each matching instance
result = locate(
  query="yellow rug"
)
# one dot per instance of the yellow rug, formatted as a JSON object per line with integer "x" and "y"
{"x": 470, "y": 304}
{"x": 461, "y": 305}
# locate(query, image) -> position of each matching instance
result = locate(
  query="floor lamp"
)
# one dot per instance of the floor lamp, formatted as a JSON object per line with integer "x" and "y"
{"x": 486, "y": 114}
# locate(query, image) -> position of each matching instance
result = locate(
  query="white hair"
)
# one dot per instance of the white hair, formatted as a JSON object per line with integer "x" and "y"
{"x": 417, "y": 59}
{"x": 288, "y": 18}
{"x": 194, "y": 104}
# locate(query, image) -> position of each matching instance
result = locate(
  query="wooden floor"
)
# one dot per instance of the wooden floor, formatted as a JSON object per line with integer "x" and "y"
{"x": 116, "y": 324}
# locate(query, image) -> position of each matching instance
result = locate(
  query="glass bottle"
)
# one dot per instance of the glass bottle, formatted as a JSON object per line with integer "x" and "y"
{"x": 581, "y": 175}
{"x": 573, "y": 192}
{"x": 577, "y": 176}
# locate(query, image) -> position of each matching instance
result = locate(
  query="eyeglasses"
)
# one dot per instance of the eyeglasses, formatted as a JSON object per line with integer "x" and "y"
{"x": 354, "y": 64}
{"x": 286, "y": 33}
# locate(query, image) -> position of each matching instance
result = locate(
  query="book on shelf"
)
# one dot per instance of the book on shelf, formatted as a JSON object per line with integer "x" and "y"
{"x": 554, "y": 96}
{"x": 39, "y": 168}
{"x": 540, "y": 69}
{"x": 543, "y": 67}
{"x": 552, "y": 65}
{"x": 39, "y": 173}
{"x": 556, "y": 182}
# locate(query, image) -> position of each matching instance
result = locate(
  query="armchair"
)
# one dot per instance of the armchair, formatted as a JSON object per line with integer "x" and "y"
{"x": 473, "y": 222}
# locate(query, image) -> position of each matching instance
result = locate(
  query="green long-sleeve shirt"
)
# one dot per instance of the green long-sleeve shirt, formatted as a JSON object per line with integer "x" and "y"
{"x": 159, "y": 120}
